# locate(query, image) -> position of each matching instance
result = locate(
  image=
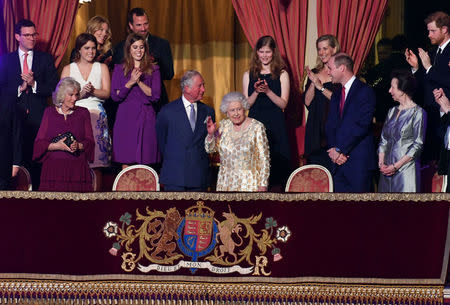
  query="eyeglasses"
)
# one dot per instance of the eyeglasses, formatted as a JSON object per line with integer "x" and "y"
{"x": 29, "y": 36}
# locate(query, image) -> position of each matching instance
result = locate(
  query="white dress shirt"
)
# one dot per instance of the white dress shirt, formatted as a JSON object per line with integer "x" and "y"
{"x": 30, "y": 66}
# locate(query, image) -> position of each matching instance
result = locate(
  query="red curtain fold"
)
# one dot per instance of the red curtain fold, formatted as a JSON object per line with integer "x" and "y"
{"x": 54, "y": 20}
{"x": 355, "y": 23}
{"x": 285, "y": 21}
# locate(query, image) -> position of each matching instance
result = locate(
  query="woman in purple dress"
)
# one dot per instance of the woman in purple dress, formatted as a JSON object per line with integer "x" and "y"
{"x": 65, "y": 165}
{"x": 136, "y": 85}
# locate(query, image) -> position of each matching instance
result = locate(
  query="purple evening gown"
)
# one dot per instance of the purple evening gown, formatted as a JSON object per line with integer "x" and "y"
{"x": 61, "y": 170}
{"x": 134, "y": 133}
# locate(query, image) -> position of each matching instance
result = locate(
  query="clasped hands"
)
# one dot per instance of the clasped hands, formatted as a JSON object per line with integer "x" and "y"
{"x": 412, "y": 60}
{"x": 28, "y": 80}
{"x": 60, "y": 145}
{"x": 337, "y": 157}
{"x": 387, "y": 170}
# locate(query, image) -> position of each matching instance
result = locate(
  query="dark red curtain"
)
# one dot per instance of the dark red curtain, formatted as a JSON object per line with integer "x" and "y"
{"x": 286, "y": 21}
{"x": 355, "y": 23}
{"x": 54, "y": 20}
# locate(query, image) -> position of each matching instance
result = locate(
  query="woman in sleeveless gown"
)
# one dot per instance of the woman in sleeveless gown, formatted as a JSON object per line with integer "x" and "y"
{"x": 266, "y": 86}
{"x": 95, "y": 83}
{"x": 318, "y": 91}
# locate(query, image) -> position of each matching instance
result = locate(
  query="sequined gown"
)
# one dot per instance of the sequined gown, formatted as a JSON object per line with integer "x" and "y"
{"x": 244, "y": 157}
{"x": 402, "y": 136}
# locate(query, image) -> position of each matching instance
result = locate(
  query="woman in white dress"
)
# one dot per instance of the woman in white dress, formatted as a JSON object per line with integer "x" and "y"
{"x": 95, "y": 89}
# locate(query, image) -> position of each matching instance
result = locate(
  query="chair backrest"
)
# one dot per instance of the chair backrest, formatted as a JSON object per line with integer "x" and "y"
{"x": 439, "y": 183}
{"x": 137, "y": 178}
{"x": 22, "y": 182}
{"x": 94, "y": 180}
{"x": 310, "y": 178}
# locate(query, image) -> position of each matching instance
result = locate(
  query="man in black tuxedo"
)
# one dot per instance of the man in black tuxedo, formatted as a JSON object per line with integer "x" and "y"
{"x": 158, "y": 47}
{"x": 434, "y": 73}
{"x": 10, "y": 141}
{"x": 29, "y": 77}
{"x": 444, "y": 160}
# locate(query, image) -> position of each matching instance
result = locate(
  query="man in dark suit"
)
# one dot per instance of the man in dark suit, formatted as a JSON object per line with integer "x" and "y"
{"x": 30, "y": 77}
{"x": 181, "y": 131}
{"x": 10, "y": 141}
{"x": 444, "y": 158}
{"x": 348, "y": 128}
{"x": 434, "y": 73}
{"x": 158, "y": 47}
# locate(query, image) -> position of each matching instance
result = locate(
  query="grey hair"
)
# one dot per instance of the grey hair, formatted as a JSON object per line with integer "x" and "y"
{"x": 63, "y": 87}
{"x": 233, "y": 97}
{"x": 186, "y": 80}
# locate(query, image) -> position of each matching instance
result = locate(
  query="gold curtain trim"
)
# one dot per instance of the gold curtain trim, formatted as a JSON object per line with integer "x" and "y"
{"x": 53, "y": 292}
{"x": 289, "y": 197}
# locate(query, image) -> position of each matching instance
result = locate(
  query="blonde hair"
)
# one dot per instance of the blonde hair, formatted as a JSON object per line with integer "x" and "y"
{"x": 94, "y": 24}
{"x": 65, "y": 85}
{"x": 332, "y": 42}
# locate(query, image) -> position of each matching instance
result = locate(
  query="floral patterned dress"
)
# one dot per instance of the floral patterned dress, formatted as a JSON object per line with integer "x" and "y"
{"x": 244, "y": 157}
{"x": 99, "y": 120}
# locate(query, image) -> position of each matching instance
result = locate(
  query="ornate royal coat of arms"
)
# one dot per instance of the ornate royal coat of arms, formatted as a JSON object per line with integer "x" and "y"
{"x": 160, "y": 241}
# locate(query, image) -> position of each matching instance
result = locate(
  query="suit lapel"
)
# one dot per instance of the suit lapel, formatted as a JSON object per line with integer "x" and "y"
{"x": 201, "y": 114}
{"x": 351, "y": 93}
{"x": 16, "y": 67}
{"x": 184, "y": 121}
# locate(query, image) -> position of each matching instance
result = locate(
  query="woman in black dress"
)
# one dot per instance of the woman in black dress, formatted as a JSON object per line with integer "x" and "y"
{"x": 266, "y": 86}
{"x": 317, "y": 97}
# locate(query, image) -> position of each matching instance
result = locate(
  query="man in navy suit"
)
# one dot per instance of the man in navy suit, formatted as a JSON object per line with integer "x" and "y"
{"x": 433, "y": 73}
{"x": 10, "y": 142}
{"x": 28, "y": 76}
{"x": 349, "y": 129}
{"x": 181, "y": 131}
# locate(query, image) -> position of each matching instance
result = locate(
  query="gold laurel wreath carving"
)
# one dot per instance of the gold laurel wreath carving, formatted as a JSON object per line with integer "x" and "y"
{"x": 287, "y": 197}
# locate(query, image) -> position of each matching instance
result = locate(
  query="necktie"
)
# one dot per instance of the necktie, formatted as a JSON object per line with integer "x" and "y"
{"x": 341, "y": 104}
{"x": 25, "y": 69}
{"x": 192, "y": 117}
{"x": 438, "y": 53}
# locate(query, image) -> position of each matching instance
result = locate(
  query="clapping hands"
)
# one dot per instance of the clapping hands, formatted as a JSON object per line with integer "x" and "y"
{"x": 87, "y": 90}
{"x": 411, "y": 58}
{"x": 261, "y": 86}
{"x": 135, "y": 75}
{"x": 442, "y": 99}
{"x": 314, "y": 78}
{"x": 413, "y": 61}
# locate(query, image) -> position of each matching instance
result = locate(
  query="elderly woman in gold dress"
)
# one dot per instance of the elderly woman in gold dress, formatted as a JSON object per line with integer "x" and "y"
{"x": 242, "y": 145}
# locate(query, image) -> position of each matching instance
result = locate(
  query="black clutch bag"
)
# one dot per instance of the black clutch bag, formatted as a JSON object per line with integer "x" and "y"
{"x": 70, "y": 138}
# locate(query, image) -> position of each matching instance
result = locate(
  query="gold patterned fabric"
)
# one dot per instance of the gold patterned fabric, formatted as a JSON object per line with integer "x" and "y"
{"x": 244, "y": 157}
